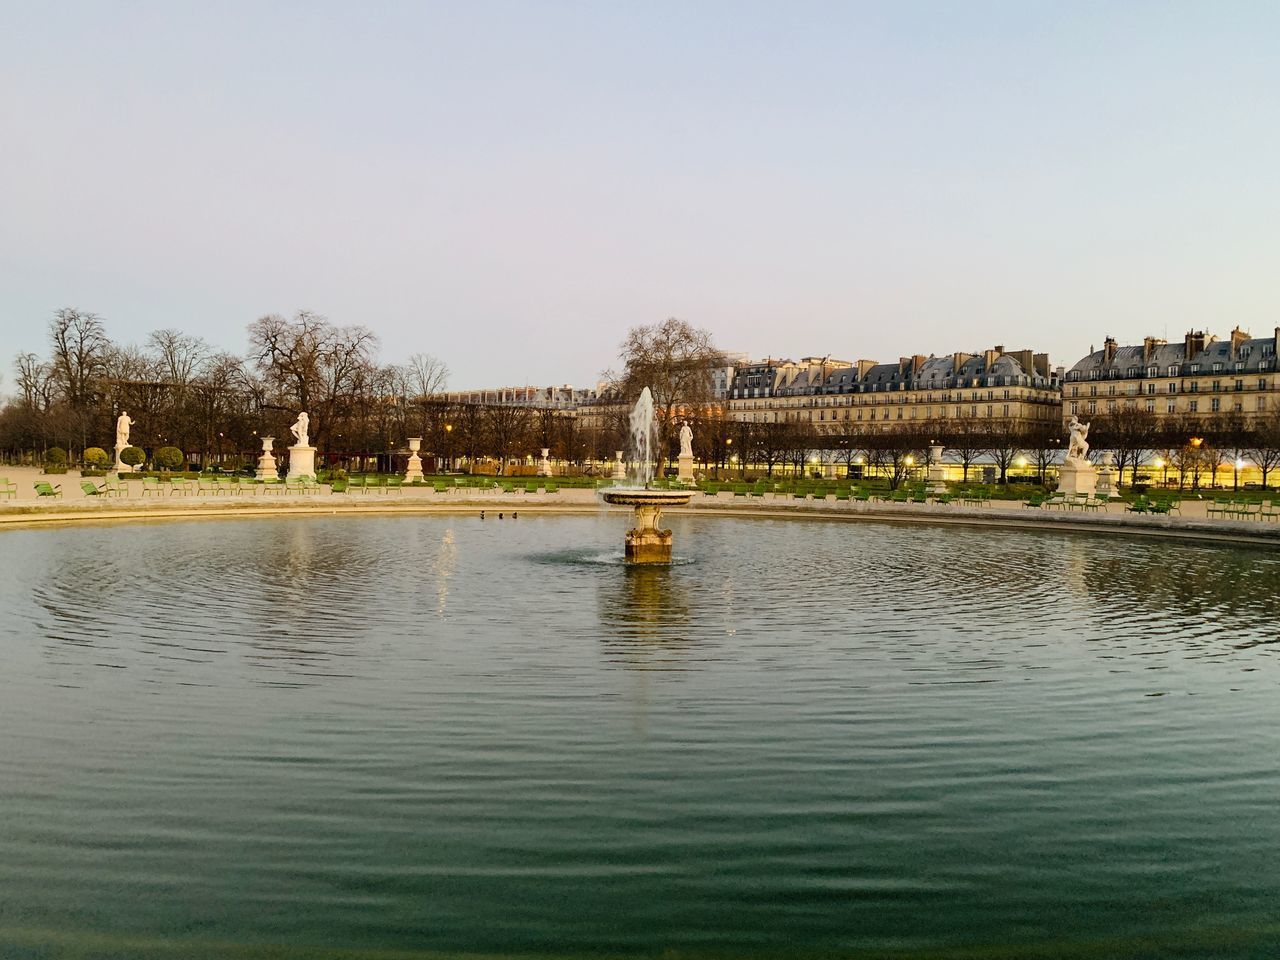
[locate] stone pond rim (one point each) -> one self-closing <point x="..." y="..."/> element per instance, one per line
<point x="645" y="542"/>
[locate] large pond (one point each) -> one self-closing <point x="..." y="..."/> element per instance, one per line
<point x="404" y="737"/>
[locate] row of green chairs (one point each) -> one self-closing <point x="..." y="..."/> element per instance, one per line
<point x="1243" y="509"/>
<point x="1157" y="505"/>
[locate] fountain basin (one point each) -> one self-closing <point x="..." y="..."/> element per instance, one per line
<point x="646" y="543"/>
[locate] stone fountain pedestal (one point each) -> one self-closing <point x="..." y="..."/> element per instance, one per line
<point x="646" y="542"/>
<point x="414" y="472"/>
<point x="302" y="461"/>
<point x="266" y="462"/>
<point x="685" y="469"/>
<point x="544" y="464"/>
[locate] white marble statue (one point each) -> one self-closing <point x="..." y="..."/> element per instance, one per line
<point x="300" y="430"/>
<point x="1078" y="446"/>
<point x="686" y="440"/>
<point x="123" y="423"/>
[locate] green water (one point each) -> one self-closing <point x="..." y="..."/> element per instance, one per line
<point x="420" y="737"/>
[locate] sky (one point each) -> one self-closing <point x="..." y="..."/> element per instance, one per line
<point x="511" y="186"/>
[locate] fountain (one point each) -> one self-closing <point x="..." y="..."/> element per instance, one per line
<point x="645" y="542"/>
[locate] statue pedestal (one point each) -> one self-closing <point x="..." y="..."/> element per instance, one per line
<point x="685" y="467"/>
<point x="266" y="462"/>
<point x="619" y="467"/>
<point x="544" y="465"/>
<point x="937" y="474"/>
<point x="414" y="472"/>
<point x="1077" y="476"/>
<point x="121" y="466"/>
<point x="302" y="462"/>
<point x="1107" y="474"/>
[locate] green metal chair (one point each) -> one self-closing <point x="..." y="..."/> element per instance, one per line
<point x="46" y="489"/>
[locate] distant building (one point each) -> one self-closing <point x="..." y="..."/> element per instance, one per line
<point x="564" y="397"/>
<point x="1201" y="377"/>
<point x="996" y="384"/>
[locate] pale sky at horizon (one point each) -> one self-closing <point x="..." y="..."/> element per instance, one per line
<point x="510" y="186"/>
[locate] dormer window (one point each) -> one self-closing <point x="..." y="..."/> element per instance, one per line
<point x="1153" y="371"/>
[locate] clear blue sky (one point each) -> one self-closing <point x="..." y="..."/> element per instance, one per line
<point x="511" y="185"/>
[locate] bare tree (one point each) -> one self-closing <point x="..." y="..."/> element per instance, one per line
<point x="1005" y="441"/>
<point x="314" y="365"/>
<point x="426" y="375"/>
<point x="675" y="361"/>
<point x="966" y="438"/>
<point x="1264" y="444"/>
<point x="1131" y="434"/>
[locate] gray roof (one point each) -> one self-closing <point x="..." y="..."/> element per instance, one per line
<point x="1253" y="354"/>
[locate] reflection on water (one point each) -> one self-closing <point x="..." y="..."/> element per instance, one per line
<point x="403" y="734"/>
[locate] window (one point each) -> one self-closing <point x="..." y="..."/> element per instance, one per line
<point x="1217" y="386"/>
<point x="1111" y="406"/>
<point x="1151" y="388"/>
<point x="1262" y="403"/>
<point x="1195" y="386"/>
<point x="1151" y="406"/>
<point x="1173" y="369"/>
<point x="1075" y="408"/>
<point x="1194" y="406"/>
<point x="1173" y="388"/>
<point x="1093" y="406"/>
<point x="1153" y="371"/>
<point x="1215" y="404"/>
<point x="1195" y="368"/>
<point x="1262" y="384"/>
<point x="1217" y="367"/>
<point x="1171" y="407"/>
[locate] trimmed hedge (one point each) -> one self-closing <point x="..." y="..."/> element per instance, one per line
<point x="132" y="456"/>
<point x="168" y="458"/>
<point x="95" y="458"/>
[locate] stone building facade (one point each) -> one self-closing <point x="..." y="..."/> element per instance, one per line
<point x="918" y="391"/>
<point x="1200" y="378"/>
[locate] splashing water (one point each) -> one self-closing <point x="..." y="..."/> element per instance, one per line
<point x="644" y="441"/>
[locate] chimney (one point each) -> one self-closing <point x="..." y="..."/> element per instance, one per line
<point x="863" y="366"/>
<point x="1238" y="337"/>
<point x="958" y="361"/>
<point x="989" y="357"/>
<point x="1149" y="345"/>
<point x="1194" y="343"/>
<point x="1041" y="363"/>
<point x="1108" y="349"/>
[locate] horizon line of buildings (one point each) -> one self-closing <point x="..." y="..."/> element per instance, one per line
<point x="1201" y="376"/>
